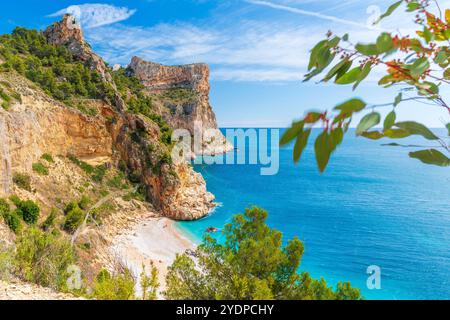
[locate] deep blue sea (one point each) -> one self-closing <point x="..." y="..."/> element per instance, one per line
<point x="373" y="206"/>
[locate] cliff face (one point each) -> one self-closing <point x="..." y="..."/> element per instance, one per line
<point x="38" y="124"/>
<point x="194" y="113"/>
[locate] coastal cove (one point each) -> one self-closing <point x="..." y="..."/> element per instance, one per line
<point x="373" y="206"/>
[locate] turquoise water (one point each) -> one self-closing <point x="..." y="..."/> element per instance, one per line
<point x="373" y="206"/>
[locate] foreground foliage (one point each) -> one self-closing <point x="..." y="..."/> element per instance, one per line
<point x="418" y="66"/>
<point x="250" y="264"/>
<point x="43" y="258"/>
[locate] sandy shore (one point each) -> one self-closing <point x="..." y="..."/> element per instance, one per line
<point x="154" y="240"/>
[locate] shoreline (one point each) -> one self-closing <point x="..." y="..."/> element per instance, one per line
<point x="154" y="240"/>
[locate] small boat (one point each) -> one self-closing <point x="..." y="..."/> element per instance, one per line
<point x="212" y="230"/>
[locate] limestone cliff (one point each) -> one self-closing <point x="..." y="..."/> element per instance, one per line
<point x="190" y="111"/>
<point x="37" y="124"/>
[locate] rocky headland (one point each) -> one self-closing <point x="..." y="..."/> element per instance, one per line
<point x="104" y="149"/>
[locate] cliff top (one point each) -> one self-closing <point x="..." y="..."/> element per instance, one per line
<point x="156" y="76"/>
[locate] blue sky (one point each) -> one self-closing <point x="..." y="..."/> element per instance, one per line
<point x="257" y="50"/>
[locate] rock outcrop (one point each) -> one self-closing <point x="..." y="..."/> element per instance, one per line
<point x="67" y="32"/>
<point x="19" y="290"/>
<point x="38" y="124"/>
<point x="194" y="114"/>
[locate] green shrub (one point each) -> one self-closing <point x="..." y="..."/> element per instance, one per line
<point x="85" y="109"/>
<point x="6" y="261"/>
<point x="6" y="99"/>
<point x="149" y="283"/>
<point x="15" y="199"/>
<point x="12" y="220"/>
<point x="50" y="221"/>
<point x="103" y="192"/>
<point x="134" y="195"/>
<point x="99" y="173"/>
<point x="48" y="157"/>
<point x="117" y="181"/>
<point x="29" y="211"/>
<point x="252" y="262"/>
<point x="83" y="165"/>
<point x="84" y="202"/>
<point x="100" y="213"/>
<point x="4" y="207"/>
<point x="179" y="95"/>
<point x="53" y="68"/>
<point x="40" y="169"/>
<point x="22" y="180"/>
<point x="43" y="258"/>
<point x="70" y="206"/>
<point x="73" y="220"/>
<point x="114" y="287"/>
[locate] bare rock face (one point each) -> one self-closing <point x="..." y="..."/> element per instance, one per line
<point x="157" y="77"/>
<point x="41" y="125"/>
<point x="195" y="115"/>
<point x="19" y="290"/>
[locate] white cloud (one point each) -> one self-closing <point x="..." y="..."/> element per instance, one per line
<point x="249" y="51"/>
<point x="92" y="15"/>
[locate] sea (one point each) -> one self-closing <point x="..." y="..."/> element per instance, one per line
<point x="374" y="206"/>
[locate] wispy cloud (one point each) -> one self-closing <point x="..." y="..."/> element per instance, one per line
<point x="93" y="15"/>
<point x="307" y="13"/>
<point x="251" y="47"/>
<point x="250" y="51"/>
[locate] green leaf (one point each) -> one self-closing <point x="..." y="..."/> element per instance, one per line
<point x="334" y="42"/>
<point x="386" y="80"/>
<point x="384" y="42"/>
<point x="300" y="144"/>
<point x="390" y="120"/>
<point x="427" y="35"/>
<point x="373" y="135"/>
<point x="418" y="67"/>
<point x="427" y="88"/>
<point x="368" y="121"/>
<point x="292" y="133"/>
<point x="447" y="74"/>
<point x="389" y="11"/>
<point x="416" y="128"/>
<point x="396" y="133"/>
<point x="349" y="77"/>
<point x="312" y="117"/>
<point x="338" y="70"/>
<point x="364" y="73"/>
<point x="441" y="57"/>
<point x="448" y="128"/>
<point x="323" y="148"/>
<point x="350" y="106"/>
<point x="312" y="74"/>
<point x="431" y="156"/>
<point x="367" y="49"/>
<point x="315" y="52"/>
<point x="398" y="99"/>
<point x="412" y="6"/>
<point x="337" y="136"/>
